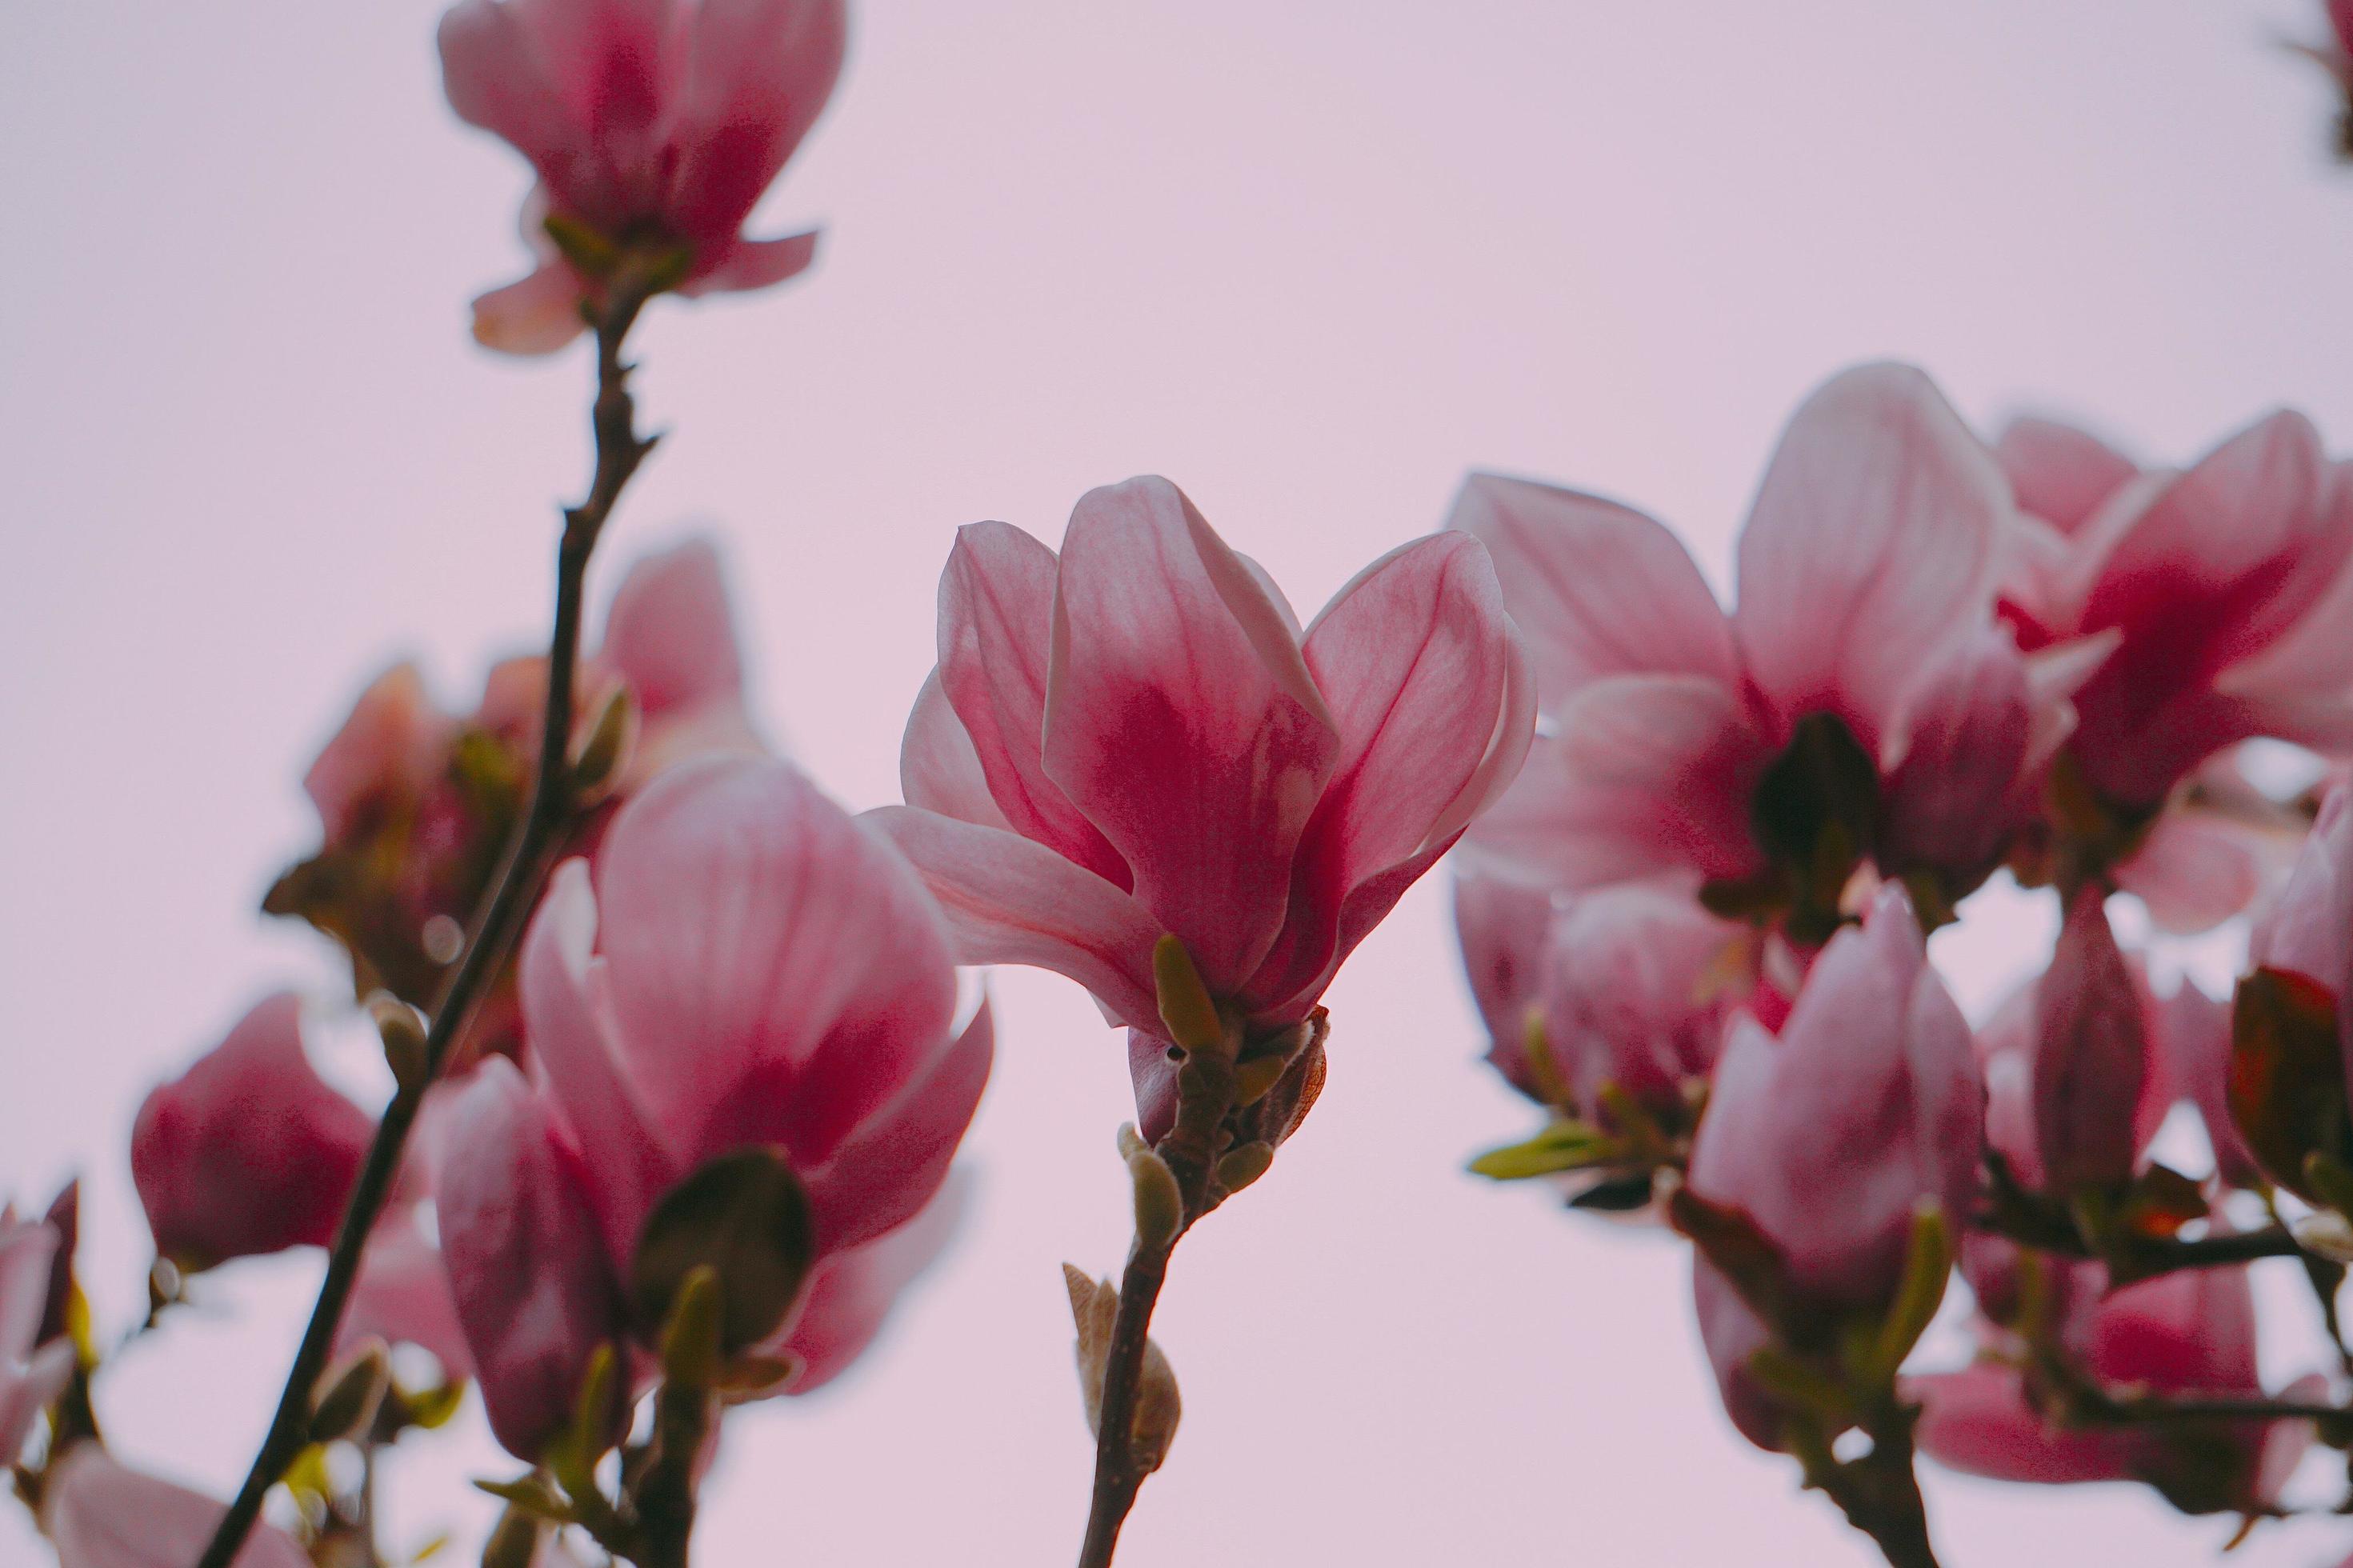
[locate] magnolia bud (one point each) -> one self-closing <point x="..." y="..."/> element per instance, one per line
<point x="1159" y="1204"/>
<point x="402" y="1028"/>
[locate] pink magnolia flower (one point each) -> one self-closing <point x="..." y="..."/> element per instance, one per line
<point x="250" y="1150"/>
<point x="649" y="122"/>
<point x="416" y="805"/>
<point x="2094" y="1094"/>
<point x="745" y="966"/>
<point x="2186" y="1333"/>
<point x="2225" y="591"/>
<point x="102" y="1514"/>
<point x="1631" y="986"/>
<point x="1858" y="706"/>
<point x="1136" y="738"/>
<point x="1831" y="1138"/>
<point x="32" y="1373"/>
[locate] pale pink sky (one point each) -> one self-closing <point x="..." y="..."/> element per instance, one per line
<point x="1311" y="260"/>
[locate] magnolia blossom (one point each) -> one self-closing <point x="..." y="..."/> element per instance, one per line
<point x="1858" y="705"/>
<point x="250" y="1150"/>
<point x="99" y="1513"/>
<point x="1831" y="1138"/>
<point x="745" y="966"/>
<point x="649" y="122"/>
<point x="2190" y="1333"/>
<point x="2225" y="592"/>
<point x="1136" y="737"/>
<point x="32" y="1374"/>
<point x="417" y="805"/>
<point x="1628" y="987"/>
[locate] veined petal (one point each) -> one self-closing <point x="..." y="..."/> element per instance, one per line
<point x="1598" y="588"/>
<point x="671" y="632"/>
<point x="534" y="1287"/>
<point x="2059" y="473"/>
<point x="582" y="1068"/>
<point x="939" y="770"/>
<point x="1977" y="1421"/>
<point x="757" y="73"/>
<point x="996" y="634"/>
<point x="1010" y="901"/>
<point x="1959" y="791"/>
<point x="1181" y="719"/>
<point x="757" y="264"/>
<point x="102" y="1514"/>
<point x="894" y="1165"/>
<point x="777" y="973"/>
<point x="537" y="315"/>
<point x="1872" y="546"/>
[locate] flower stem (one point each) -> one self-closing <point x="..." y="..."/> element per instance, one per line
<point x="1880" y="1493"/>
<point x="500" y="920"/>
<point x="1205" y="1093"/>
<point x="682" y="1417"/>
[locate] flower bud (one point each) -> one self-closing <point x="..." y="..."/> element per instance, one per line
<point x="250" y="1150"/>
<point x="2091" y="1056"/>
<point x="1094" y="1306"/>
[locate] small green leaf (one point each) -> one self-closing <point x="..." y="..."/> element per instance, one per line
<point x="1186" y="1009"/>
<point x="1565" y="1145"/>
<point x="1731" y="1242"/>
<point x="1799" y="1385"/>
<point x="691" y="1343"/>
<point x="531" y="1493"/>
<point x="1238" y="1168"/>
<point x="350" y="1393"/>
<point x="594" y="254"/>
<point x="1927" y="1269"/>
<point x="745" y="1216"/>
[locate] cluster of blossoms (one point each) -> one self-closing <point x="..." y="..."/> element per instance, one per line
<point x="681" y="1069"/>
<point x="1695" y="927"/>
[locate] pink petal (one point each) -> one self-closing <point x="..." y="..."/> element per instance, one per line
<point x="894" y="1164"/>
<point x="1871" y="548"/>
<point x="854" y="1292"/>
<point x="758" y="72"/>
<point x="757" y="264"/>
<point x="671" y="633"/>
<point x="250" y="1150"/>
<point x="392" y="747"/>
<point x="1957" y="796"/>
<point x="1869" y="1104"/>
<point x="27" y="1249"/>
<point x="2090" y="1055"/>
<point x="2054" y="673"/>
<point x="2311" y="661"/>
<point x="538" y="315"/>
<point x="1643" y="775"/>
<point x="2222" y="565"/>
<point x="2194" y="870"/>
<point x="1419" y="666"/>
<point x="496" y="79"/>
<point x="995" y="635"/>
<point x="582" y="1068"/>
<point x="2309" y="930"/>
<point x="534" y="1288"/>
<point x="1636" y="990"/>
<point x="1977" y="1421"/>
<point x="1502" y="926"/>
<point x="1732" y="1334"/>
<point x="2059" y="473"/>
<point x="102" y="1514"/>
<point x="939" y="770"/>
<point x="1598" y="588"/>
<point x="778" y="972"/>
<point x="1012" y="902"/>
<point x="2191" y="1331"/>
<point x="1181" y="719"/>
<point x="403" y="1297"/>
<point x="2193" y="1037"/>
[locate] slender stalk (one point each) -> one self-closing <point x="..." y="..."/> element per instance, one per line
<point x="2155" y="1409"/>
<point x="682" y="1417"/>
<point x="1880" y="1493"/>
<point x="514" y="893"/>
<point x="1205" y="1093"/>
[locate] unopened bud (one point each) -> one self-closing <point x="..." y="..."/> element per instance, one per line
<point x="1094" y="1305"/>
<point x="350" y="1393"/>
<point x="607" y="750"/>
<point x="1130" y="1142"/>
<point x="1159" y="1205"/>
<point x="1256" y="1075"/>
<point x="1239" y="1167"/>
<point x="402" y="1029"/>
